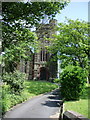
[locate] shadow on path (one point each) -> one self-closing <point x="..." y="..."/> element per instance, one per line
<point x="54" y="100"/>
<point x="52" y="103"/>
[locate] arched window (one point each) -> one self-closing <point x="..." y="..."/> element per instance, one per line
<point x="44" y="55"/>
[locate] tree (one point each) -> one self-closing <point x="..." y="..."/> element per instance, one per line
<point x="31" y="12"/>
<point x="72" y="43"/>
<point x="18" y="18"/>
<point x="21" y="41"/>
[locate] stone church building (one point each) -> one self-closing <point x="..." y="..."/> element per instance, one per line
<point x="41" y="66"/>
<point x="42" y="70"/>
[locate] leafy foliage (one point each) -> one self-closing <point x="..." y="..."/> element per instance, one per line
<point x="72" y="80"/>
<point x="10" y="99"/>
<point x="31" y="12"/>
<point x="72" y="43"/>
<point x="17" y="45"/>
<point x="15" y="80"/>
<point x="56" y="80"/>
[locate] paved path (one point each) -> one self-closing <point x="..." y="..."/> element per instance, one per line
<point x="42" y="106"/>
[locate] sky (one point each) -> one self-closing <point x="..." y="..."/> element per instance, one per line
<point x="77" y="9"/>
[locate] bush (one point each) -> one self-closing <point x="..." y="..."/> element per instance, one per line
<point x="56" y="80"/>
<point x="5" y="101"/>
<point x="15" y="80"/>
<point x="9" y="100"/>
<point x="73" y="80"/>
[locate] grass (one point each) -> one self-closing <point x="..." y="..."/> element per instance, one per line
<point x="39" y="87"/>
<point x="32" y="88"/>
<point x="81" y="106"/>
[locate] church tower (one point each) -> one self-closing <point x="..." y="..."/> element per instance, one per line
<point x="42" y="70"/>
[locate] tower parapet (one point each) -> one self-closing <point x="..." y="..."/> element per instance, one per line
<point x="53" y="22"/>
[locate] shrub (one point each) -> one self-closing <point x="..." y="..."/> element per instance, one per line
<point x="5" y="101"/>
<point x="56" y="80"/>
<point x="15" y="80"/>
<point x="73" y="80"/>
<point x="8" y="99"/>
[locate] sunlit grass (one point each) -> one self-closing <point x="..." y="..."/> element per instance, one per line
<point x="81" y="106"/>
<point x="39" y="87"/>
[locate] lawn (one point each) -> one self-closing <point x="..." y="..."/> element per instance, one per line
<point x="39" y="87"/>
<point x="81" y="106"/>
<point x="32" y="88"/>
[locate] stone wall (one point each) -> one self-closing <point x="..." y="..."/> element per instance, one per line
<point x="71" y="115"/>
